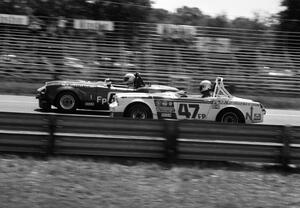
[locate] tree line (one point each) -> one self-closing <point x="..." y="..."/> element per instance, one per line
<point x="141" y="11"/>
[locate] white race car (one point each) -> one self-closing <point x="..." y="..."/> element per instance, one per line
<point x="220" y="107"/>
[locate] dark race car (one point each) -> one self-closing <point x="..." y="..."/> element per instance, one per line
<point x="68" y="96"/>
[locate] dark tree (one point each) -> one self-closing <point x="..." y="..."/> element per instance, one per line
<point x="188" y="16"/>
<point x="159" y="16"/>
<point x="115" y="10"/>
<point x="290" y="22"/>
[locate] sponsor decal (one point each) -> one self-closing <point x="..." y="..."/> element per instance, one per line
<point x="166" y="115"/>
<point x="77" y="85"/>
<point x="198" y="101"/>
<point x="101" y="100"/>
<point x="257" y="116"/>
<point x="215" y="106"/>
<point x="190" y="110"/>
<point x="111" y="97"/>
<point x="165" y="108"/>
<point x="216" y="103"/>
<point x="164" y="103"/>
<point x="250" y="115"/>
<point x="243" y="103"/>
<point x="201" y="116"/>
<point x="89" y="104"/>
<point x="14" y="19"/>
<point x="222" y="102"/>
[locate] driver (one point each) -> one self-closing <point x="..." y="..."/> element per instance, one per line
<point x="133" y="80"/>
<point x="205" y="88"/>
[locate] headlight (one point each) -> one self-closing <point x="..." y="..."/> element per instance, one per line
<point x="115" y="100"/>
<point x="42" y="90"/>
<point x="113" y="105"/>
<point x="263" y="109"/>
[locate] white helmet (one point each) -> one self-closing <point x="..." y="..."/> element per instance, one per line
<point x="129" y="78"/>
<point x="205" y="85"/>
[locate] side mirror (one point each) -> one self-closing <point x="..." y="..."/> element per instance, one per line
<point x="107" y="82"/>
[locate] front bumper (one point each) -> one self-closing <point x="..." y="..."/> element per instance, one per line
<point x="116" y="114"/>
<point x="115" y="111"/>
<point x="44" y="103"/>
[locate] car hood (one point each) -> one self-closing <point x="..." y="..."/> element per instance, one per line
<point x="238" y="99"/>
<point x="146" y="95"/>
<point x="74" y="82"/>
<point x="101" y="83"/>
<point x="163" y="87"/>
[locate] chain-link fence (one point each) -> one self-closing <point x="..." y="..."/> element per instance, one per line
<point x="254" y="62"/>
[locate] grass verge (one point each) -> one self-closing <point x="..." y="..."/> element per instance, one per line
<point x="86" y="182"/>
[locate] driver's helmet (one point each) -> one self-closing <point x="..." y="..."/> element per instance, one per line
<point x="205" y="85"/>
<point x="129" y="79"/>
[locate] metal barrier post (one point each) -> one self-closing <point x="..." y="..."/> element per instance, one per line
<point x="51" y="140"/>
<point x="285" y="151"/>
<point x="171" y="134"/>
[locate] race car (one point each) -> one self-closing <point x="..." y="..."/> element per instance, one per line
<point x="68" y="96"/>
<point x="221" y="106"/>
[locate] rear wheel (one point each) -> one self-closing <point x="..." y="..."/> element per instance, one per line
<point x="139" y="111"/>
<point x="67" y="102"/>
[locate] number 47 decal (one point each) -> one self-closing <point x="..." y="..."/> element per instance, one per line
<point x="184" y="110"/>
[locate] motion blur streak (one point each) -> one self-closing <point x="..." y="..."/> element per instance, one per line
<point x="28" y="104"/>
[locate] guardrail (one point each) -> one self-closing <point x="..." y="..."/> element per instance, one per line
<point x="161" y="139"/>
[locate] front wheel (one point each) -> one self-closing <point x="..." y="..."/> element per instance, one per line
<point x="230" y="117"/>
<point x="67" y="102"/>
<point x="139" y="111"/>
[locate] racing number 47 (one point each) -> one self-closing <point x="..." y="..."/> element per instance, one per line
<point x="184" y="110"/>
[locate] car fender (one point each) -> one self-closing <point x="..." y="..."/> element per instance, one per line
<point x="148" y="101"/>
<point x="230" y="106"/>
<point x="76" y="91"/>
<point x="66" y="88"/>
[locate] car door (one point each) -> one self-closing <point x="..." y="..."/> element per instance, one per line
<point x="101" y="97"/>
<point x="105" y="95"/>
<point x="192" y="108"/>
<point x="86" y="93"/>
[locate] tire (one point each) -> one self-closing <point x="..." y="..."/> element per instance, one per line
<point x="67" y="102"/>
<point x="44" y="105"/>
<point x="230" y="116"/>
<point x="139" y="111"/>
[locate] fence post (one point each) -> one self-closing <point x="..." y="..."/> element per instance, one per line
<point x="285" y="151"/>
<point x="171" y="134"/>
<point x="51" y="138"/>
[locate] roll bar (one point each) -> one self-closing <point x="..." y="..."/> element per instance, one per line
<point x="219" y="89"/>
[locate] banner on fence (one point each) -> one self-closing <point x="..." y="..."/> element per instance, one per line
<point x="85" y="24"/>
<point x="13" y="19"/>
<point x="209" y="44"/>
<point x="176" y="32"/>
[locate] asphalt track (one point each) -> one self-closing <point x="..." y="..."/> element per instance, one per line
<point x="28" y="104"/>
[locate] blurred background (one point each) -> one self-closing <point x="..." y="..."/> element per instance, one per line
<point x="43" y="40"/>
<point x="258" y="56"/>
